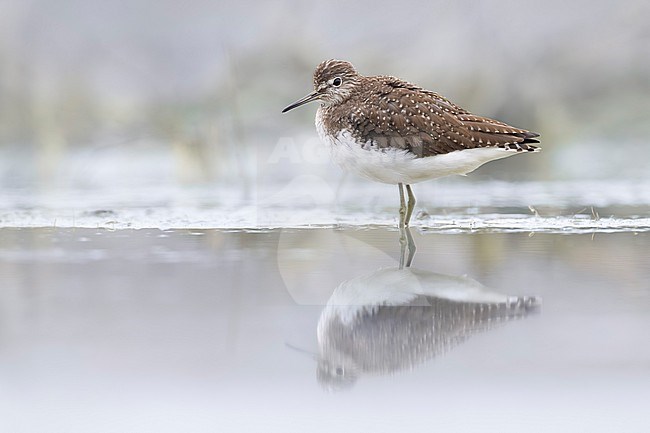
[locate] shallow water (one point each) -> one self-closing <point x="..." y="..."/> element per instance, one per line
<point x="447" y="206"/>
<point x="212" y="330"/>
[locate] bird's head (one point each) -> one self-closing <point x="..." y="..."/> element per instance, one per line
<point x="334" y="81"/>
<point x="336" y="374"/>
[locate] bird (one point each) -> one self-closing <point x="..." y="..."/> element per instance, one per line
<point x="392" y="319"/>
<point x="388" y="130"/>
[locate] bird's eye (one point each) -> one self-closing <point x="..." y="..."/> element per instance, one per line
<point x="336" y="82"/>
<point x="339" y="370"/>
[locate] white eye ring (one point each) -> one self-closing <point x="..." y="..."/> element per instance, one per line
<point x="336" y="82"/>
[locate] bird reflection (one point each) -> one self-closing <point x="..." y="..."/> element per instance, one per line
<point x="393" y="319"/>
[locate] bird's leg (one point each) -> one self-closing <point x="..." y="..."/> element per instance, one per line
<point x="411" y="246"/>
<point x="402" y="233"/>
<point x="406" y="244"/>
<point x="402" y="246"/>
<point x="411" y="205"/>
<point x="402" y="206"/>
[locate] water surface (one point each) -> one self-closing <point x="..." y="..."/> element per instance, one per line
<point x="211" y="330"/>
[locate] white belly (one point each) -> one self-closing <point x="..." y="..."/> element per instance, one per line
<point x="395" y="166"/>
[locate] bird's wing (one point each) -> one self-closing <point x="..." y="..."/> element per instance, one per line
<point x="401" y="115"/>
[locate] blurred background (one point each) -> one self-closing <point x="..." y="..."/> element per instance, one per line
<point x="105" y="98"/>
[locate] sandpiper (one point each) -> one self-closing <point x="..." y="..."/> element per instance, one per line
<point x="391" y="131"/>
<point x="394" y="319"/>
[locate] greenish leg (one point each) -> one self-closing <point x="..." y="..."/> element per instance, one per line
<point x="402" y="246"/>
<point x="405" y="237"/>
<point x="402" y="235"/>
<point x="411" y="247"/>
<point x="406" y="243"/>
<point x="402" y="206"/>
<point x="411" y="205"/>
